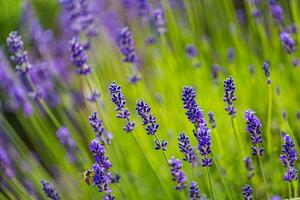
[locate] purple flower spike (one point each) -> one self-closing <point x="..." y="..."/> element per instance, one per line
<point x="99" y="129"/>
<point x="143" y="8"/>
<point x="93" y="97"/>
<point x="65" y="139"/>
<point x="119" y="100"/>
<point x="287" y="157"/>
<point x="187" y="149"/>
<point x="149" y="120"/>
<point x="194" y="192"/>
<point x="79" y="57"/>
<point x="191" y="51"/>
<point x="249" y="166"/>
<point x="126" y="45"/>
<point x="247" y="192"/>
<point x="287" y="42"/>
<point x="229" y="98"/>
<point x="159" y="20"/>
<point x="276" y="197"/>
<point x="204" y="144"/>
<point x="50" y="191"/>
<point x="177" y="173"/>
<point x="230" y="55"/>
<point x="276" y="11"/>
<point x="212" y="120"/>
<point x="254" y="129"/>
<point x="266" y="68"/>
<point x="19" y="55"/>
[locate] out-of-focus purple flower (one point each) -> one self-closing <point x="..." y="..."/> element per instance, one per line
<point x="19" y="55"/>
<point x="298" y="115"/>
<point x="143" y="8"/>
<point x="150" y="40"/>
<point x="254" y="129"/>
<point x="240" y="13"/>
<point x="149" y="120"/>
<point x="212" y="119"/>
<point x="65" y="139"/>
<point x="191" y="51"/>
<point x="276" y="197"/>
<point x="50" y="190"/>
<point x="256" y="13"/>
<point x="287" y="42"/>
<point x="126" y="45"/>
<point x="99" y="129"/>
<point x="247" y="192"/>
<point x="229" y="98"/>
<point x="6" y="163"/>
<point x="93" y="97"/>
<point x="187" y="149"/>
<point x="249" y="166"/>
<point x="251" y="69"/>
<point x="78" y="57"/>
<point x="266" y="68"/>
<point x="295" y="62"/>
<point x="230" y="54"/>
<point x="194" y="192"/>
<point x="159" y="21"/>
<point x="287" y="157"/>
<point x="177" y="173"/>
<point x="134" y="78"/>
<point x="119" y="100"/>
<point x="215" y="71"/>
<point x="291" y="29"/>
<point x="81" y="17"/>
<point x="30" y="188"/>
<point x="276" y="11"/>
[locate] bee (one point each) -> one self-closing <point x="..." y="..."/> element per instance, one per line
<point x="88" y="176"/>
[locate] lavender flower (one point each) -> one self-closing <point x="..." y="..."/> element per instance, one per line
<point x="143" y="8"/>
<point x="177" y="173"/>
<point x="287" y="42"/>
<point x="19" y="55"/>
<point x="249" y="166"/>
<point x="186" y="148"/>
<point x="204" y="144"/>
<point x="159" y="20"/>
<point x="266" y="68"/>
<point x="215" y="71"/>
<point x="276" y="197"/>
<point x="229" y="98"/>
<point x="162" y="145"/>
<point x="191" y="51"/>
<point x="97" y="124"/>
<point x="149" y="120"/>
<point x="194" y="192"/>
<point x="126" y="45"/>
<point x="6" y="163"/>
<point x="287" y="157"/>
<point x="50" y="191"/>
<point x="119" y="100"/>
<point x="254" y="129"/>
<point x="193" y="111"/>
<point x="93" y="97"/>
<point x="247" y="192"/>
<point x="295" y="62"/>
<point x="65" y="139"/>
<point x="230" y="55"/>
<point x="101" y="175"/>
<point x="276" y="11"/>
<point x="212" y="119"/>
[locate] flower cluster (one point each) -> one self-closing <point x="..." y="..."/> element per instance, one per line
<point x="191" y="51"/>
<point x="97" y="124"/>
<point x="50" y="191"/>
<point x="254" y="129"/>
<point x="126" y="45"/>
<point x="119" y="100"/>
<point x="186" y="148"/>
<point x="229" y="98"/>
<point x="160" y="22"/>
<point x="19" y="55"/>
<point x="287" y="157"/>
<point x="249" y="166"/>
<point x="78" y="57"/>
<point x="178" y="175"/>
<point x="101" y="174"/>
<point x="194" y="192"/>
<point x="65" y="139"/>
<point x="247" y="192"/>
<point x="276" y="11"/>
<point x="201" y="131"/>
<point x="143" y="8"/>
<point x="287" y="42"/>
<point x="93" y="97"/>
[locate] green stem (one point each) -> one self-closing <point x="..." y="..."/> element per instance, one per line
<point x="237" y="135"/>
<point x="223" y="180"/>
<point x="263" y="175"/>
<point x="269" y="118"/>
<point x="290" y="190"/>
<point x="164" y="152"/>
<point x="210" y="184"/>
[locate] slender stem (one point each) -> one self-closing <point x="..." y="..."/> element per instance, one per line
<point x="263" y="175"/>
<point x="223" y="180"/>
<point x="237" y="135"/>
<point x="290" y="190"/>
<point x="269" y="118"/>
<point x="210" y="185"/>
<point x="164" y="152"/>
